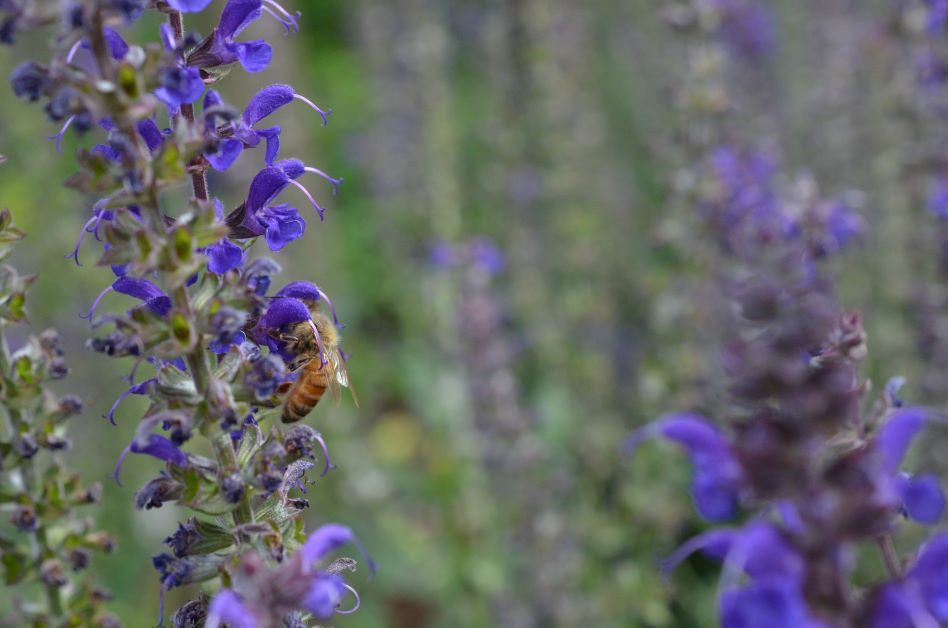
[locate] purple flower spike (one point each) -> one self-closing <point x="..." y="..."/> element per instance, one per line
<point x="227" y="607"/>
<point x="895" y="436"/>
<point x="189" y="6"/>
<point x="716" y="483"/>
<point x="922" y="498"/>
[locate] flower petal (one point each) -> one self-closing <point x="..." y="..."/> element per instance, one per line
<point x="255" y="55"/>
<point x="226" y="154"/>
<point x="224" y="256"/>
<point x="237" y="15"/>
<point x="324" y="595"/>
<point x="895" y="436"/>
<point x="922" y="498"/>
<point x="266" y="101"/>
<point x="226" y="607"/>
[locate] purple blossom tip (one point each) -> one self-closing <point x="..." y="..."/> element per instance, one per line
<point x="283" y="312"/>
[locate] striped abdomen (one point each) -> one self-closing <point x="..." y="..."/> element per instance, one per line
<point x="306" y="392"/>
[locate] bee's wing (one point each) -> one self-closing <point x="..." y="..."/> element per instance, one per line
<point x="340" y="377"/>
<point x="333" y="380"/>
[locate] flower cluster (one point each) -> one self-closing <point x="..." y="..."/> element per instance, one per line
<point x="50" y="543"/>
<point x="803" y="463"/>
<point x="222" y="346"/>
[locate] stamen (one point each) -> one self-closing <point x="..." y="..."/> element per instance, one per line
<point x="324" y="114"/>
<point x="73" y="51"/>
<point x="286" y="24"/>
<point x="59" y="136"/>
<point x="131" y="376"/>
<point x="312" y="200"/>
<point x="88" y="315"/>
<point x="161" y="605"/>
<point x="335" y="182"/>
<point x="329" y="465"/>
<point x="286" y="13"/>
<point x="82" y="234"/>
<point x="118" y="465"/>
<point x="325" y="297"/>
<point x="134" y="389"/>
<point x="357" y="604"/>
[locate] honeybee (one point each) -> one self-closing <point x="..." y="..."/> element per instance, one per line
<point x="320" y="363"/>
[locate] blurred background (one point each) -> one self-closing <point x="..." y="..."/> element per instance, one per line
<point x="523" y="280"/>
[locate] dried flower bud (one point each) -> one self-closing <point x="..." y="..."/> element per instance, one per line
<point x="24" y="518"/>
<point x="52" y="573"/>
<point x="157" y="492"/>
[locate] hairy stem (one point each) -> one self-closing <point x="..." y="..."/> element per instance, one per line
<point x="197" y="359"/>
<point x="198" y="180"/>
<point x="889" y="555"/>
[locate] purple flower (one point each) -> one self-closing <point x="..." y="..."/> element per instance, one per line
<point x="309" y="293"/>
<point x="227" y="607"/>
<point x="279" y="224"/>
<point x="224" y="256"/>
<point x="921" y="598"/>
<point x="29" y="80"/>
<point x="233" y="138"/>
<point x="152" y="297"/>
<point x="227" y="323"/>
<point x="154" y="445"/>
<point x="265" y="376"/>
<point x="324" y="596"/>
<point x="219" y="48"/>
<point x="180" y="84"/>
<point x="921" y="496"/>
<point x="716" y="481"/>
